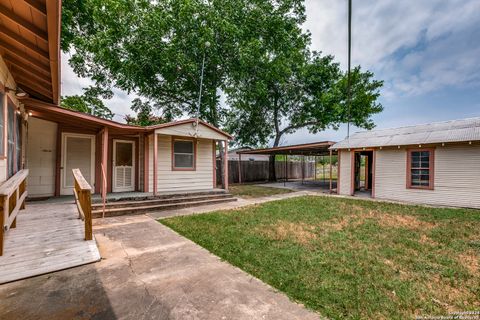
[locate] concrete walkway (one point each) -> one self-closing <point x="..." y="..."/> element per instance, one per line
<point x="147" y="272"/>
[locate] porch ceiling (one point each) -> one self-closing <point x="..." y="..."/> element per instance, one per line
<point x="30" y="45"/>
<point x="307" y="149"/>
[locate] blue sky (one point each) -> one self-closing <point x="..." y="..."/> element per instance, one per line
<point x="427" y="52"/>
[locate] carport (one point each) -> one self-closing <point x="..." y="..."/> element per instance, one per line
<point x="302" y="151"/>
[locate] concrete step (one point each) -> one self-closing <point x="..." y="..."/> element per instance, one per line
<point x="160" y="201"/>
<point x="111" y="212"/>
<point x="112" y="198"/>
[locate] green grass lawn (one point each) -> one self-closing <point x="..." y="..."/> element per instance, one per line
<point x="350" y="258"/>
<point x="253" y="191"/>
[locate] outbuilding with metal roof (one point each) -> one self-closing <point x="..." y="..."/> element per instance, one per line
<point x="436" y="163"/>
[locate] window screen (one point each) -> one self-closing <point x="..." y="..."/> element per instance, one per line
<point x="183" y="154"/>
<point x="11" y="140"/>
<point x="18" y="142"/>
<point x="2" y="124"/>
<point x="420" y="169"/>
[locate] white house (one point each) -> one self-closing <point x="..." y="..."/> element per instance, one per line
<point x="436" y="163"/>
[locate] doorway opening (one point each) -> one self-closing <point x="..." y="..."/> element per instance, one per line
<point x="363" y="173"/>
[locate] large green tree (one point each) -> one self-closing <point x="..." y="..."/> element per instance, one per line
<point x="253" y="51"/>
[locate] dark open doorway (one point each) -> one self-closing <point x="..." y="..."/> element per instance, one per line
<point x="363" y="174"/>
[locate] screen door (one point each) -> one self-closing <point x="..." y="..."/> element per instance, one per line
<point x="123" y="166"/>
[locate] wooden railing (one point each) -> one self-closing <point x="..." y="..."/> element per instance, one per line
<point x="82" y="192"/>
<point x="12" y="199"/>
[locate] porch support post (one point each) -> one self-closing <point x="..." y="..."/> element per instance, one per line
<point x="239" y="168"/>
<point x="330" y="162"/>
<point x="225" y="165"/>
<point x="303" y="167"/>
<point x="155" y="163"/>
<point x="104" y="162"/>
<point x="58" y="160"/>
<point x="214" y="163"/>
<point x="145" y="162"/>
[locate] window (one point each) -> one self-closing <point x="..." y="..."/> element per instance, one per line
<point x="2" y="125"/>
<point x="18" y="141"/>
<point x="11" y="140"/>
<point x="420" y="168"/>
<point x="183" y="156"/>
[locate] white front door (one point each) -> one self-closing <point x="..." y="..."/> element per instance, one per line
<point x="78" y="151"/>
<point x="123" y="166"/>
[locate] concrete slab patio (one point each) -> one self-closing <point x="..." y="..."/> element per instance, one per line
<point x="147" y="272"/>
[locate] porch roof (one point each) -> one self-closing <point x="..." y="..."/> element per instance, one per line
<point x="76" y="119"/>
<point x="30" y="46"/>
<point x="72" y="118"/>
<point x="306" y="149"/>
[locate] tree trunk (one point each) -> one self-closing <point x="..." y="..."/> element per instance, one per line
<point x="222" y="164"/>
<point x="272" y="176"/>
<point x="271" y="168"/>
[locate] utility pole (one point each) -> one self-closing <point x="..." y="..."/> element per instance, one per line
<point x="349" y="65"/>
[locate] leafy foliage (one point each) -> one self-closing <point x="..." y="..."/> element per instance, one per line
<point x="308" y="92"/>
<point x="258" y="56"/>
<point x="145" y="115"/>
<point x="89" y="102"/>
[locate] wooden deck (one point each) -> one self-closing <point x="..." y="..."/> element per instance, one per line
<point x="48" y="237"/>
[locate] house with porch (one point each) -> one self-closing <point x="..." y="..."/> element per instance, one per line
<point x="102" y="167"/>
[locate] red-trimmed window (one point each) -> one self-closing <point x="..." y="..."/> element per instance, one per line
<point x="420" y="168"/>
<point x="183" y="154"/>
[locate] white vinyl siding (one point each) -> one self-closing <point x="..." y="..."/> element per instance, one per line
<point x="456" y="177"/>
<point x="169" y="180"/>
<point x="345" y="172"/>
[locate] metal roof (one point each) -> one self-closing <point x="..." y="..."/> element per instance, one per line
<point x="316" y="148"/>
<point x="464" y="130"/>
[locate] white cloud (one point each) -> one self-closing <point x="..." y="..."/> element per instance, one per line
<point x="445" y="31"/>
<point x="72" y="84"/>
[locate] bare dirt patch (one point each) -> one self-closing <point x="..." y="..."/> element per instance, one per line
<point x="404" y="221"/>
<point x="470" y="261"/>
<point x="300" y="233"/>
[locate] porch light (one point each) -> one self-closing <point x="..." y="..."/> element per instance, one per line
<point x="19" y="92"/>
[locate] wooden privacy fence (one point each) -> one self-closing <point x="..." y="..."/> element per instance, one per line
<point x="253" y="171"/>
<point x="12" y="199"/>
<point x="83" y="199"/>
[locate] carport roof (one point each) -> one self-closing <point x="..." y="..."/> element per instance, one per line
<point x="307" y="149"/>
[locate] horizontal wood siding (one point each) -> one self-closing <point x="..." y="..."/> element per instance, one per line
<point x="456" y="183"/>
<point x="168" y="180"/>
<point x="345" y="172"/>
